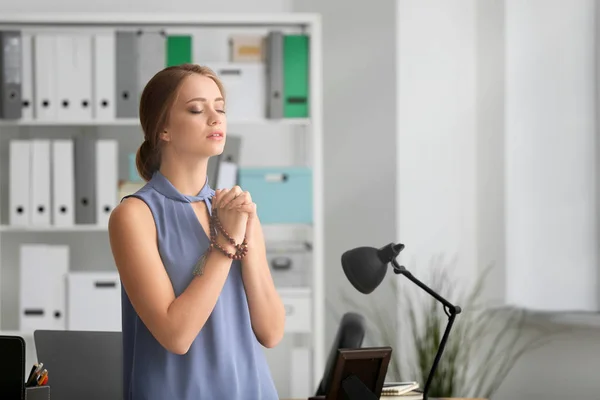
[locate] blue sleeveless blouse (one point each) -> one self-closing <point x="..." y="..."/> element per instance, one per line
<point x="225" y="361"/>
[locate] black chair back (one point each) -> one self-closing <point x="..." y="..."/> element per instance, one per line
<point x="350" y="335"/>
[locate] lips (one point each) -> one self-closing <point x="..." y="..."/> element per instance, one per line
<point x="217" y="134"/>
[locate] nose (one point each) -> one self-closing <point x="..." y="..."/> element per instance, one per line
<point x="214" y="118"/>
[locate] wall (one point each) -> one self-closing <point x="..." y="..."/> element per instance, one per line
<point x="550" y="155"/>
<point x="453" y="88"/>
<point x="489" y="139"/>
<point x="552" y="46"/>
<point x="436" y="111"/>
<point x="359" y="140"/>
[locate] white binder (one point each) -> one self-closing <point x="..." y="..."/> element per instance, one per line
<point x="83" y="76"/>
<point x="103" y="67"/>
<point x="65" y="77"/>
<point x="27" y="74"/>
<point x="40" y="182"/>
<point x="19" y="193"/>
<point x="74" y="74"/>
<point x="45" y="77"/>
<point x="42" y="274"/>
<point x="63" y="183"/>
<point x="94" y="301"/>
<point x="107" y="177"/>
<point x="245" y="85"/>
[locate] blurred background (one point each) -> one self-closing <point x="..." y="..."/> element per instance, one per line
<point x="466" y="130"/>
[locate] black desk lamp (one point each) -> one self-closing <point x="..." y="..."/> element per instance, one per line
<point x="365" y="268"/>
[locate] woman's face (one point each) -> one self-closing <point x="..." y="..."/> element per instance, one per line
<point x="197" y="124"/>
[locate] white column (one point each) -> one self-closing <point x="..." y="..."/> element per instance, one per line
<point x="550" y="172"/>
<point x="436" y="136"/>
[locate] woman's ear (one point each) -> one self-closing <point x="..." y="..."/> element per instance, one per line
<point x="165" y="136"/>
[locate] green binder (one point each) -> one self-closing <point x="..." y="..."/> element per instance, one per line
<point x="295" y="76"/>
<point x="179" y="50"/>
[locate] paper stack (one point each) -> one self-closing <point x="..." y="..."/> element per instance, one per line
<point x="401" y="391"/>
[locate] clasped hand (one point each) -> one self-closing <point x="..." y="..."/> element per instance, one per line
<point x="235" y="210"/>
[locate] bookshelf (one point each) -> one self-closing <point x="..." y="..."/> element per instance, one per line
<point x="290" y="141"/>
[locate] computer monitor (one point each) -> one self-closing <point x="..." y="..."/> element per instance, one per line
<point x="350" y="335"/>
<point x="81" y="364"/>
<point x="12" y="368"/>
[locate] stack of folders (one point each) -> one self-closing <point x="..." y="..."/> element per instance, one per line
<point x="52" y="296"/>
<point x="99" y="76"/>
<point x="401" y="391"/>
<point x="43" y="270"/>
<point x="62" y="182"/>
<point x="284" y="80"/>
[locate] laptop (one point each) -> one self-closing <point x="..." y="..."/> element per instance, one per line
<point x="81" y="364"/>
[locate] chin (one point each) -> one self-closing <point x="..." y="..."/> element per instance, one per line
<point x="214" y="149"/>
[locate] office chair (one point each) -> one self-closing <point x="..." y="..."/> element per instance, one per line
<point x="350" y="335"/>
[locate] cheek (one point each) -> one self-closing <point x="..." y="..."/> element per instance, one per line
<point x="186" y="129"/>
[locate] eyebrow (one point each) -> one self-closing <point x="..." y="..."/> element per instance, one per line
<point x="203" y="99"/>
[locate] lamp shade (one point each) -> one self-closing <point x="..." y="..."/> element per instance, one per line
<point x="364" y="268"/>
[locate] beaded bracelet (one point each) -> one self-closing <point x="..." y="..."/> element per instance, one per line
<point x="240" y="249"/>
<point x="215" y="227"/>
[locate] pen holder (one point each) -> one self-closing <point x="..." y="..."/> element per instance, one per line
<point x="37" y="393"/>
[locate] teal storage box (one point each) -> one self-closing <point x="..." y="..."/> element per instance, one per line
<point x="133" y="172"/>
<point x="283" y="195"/>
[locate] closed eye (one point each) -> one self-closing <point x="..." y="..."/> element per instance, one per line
<point x="201" y="111"/>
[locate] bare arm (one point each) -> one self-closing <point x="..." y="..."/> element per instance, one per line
<point x="267" y="312"/>
<point x="174" y="321"/>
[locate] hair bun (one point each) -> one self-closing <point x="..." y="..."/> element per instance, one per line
<point x="145" y="143"/>
<point x="146" y="160"/>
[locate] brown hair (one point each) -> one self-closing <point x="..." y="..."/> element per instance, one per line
<point x="156" y="101"/>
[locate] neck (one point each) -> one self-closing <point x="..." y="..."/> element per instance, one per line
<point x="188" y="177"/>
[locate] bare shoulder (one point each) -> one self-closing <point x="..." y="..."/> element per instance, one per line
<point x="132" y="232"/>
<point x="131" y="214"/>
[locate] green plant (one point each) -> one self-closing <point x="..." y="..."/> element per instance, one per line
<point x="484" y="344"/>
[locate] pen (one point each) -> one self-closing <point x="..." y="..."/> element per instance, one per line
<point x="34" y="375"/>
<point x="31" y="372"/>
<point x="41" y="377"/>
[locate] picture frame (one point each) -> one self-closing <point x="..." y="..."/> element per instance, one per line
<point x="364" y="368"/>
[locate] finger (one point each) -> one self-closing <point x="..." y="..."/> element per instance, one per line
<point x="243" y="198"/>
<point x="230" y="195"/>
<point x="247" y="208"/>
<point x="248" y="197"/>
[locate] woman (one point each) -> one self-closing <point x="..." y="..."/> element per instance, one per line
<point x="198" y="300"/>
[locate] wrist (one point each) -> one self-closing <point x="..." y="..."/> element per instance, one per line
<point x="223" y="244"/>
<point x="232" y="245"/>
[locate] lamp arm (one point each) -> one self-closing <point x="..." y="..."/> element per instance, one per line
<point x="450" y="309"/>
